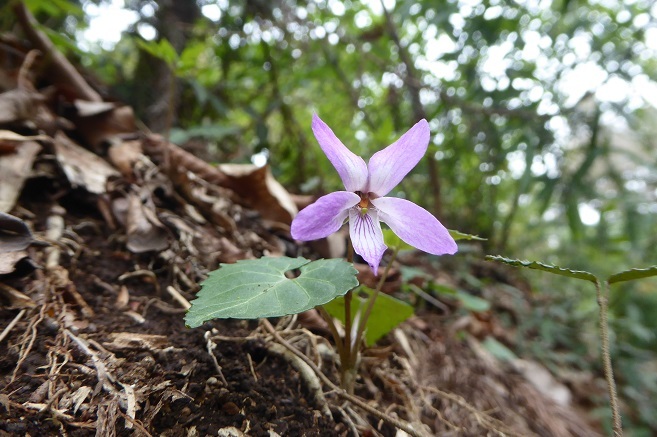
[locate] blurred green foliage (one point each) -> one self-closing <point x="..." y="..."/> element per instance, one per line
<point x="543" y="118"/>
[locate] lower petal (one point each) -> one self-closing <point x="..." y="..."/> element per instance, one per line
<point x="324" y="217"/>
<point x="415" y="225"/>
<point x="366" y="236"/>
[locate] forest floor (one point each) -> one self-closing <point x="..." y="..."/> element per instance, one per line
<point x="105" y="234"/>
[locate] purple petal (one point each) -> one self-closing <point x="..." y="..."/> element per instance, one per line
<point x="415" y="225"/>
<point x="366" y="236"/>
<point x="323" y="217"/>
<point x="389" y="166"/>
<point x="351" y="167"/>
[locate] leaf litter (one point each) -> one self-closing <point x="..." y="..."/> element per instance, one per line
<point x="106" y="232"/>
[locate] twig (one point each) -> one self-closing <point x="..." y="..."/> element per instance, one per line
<point x="405" y="426"/>
<point x="178" y="297"/>
<point x="25" y="350"/>
<point x="136" y="423"/>
<point x="482" y="418"/>
<point x="62" y="70"/>
<point x="22" y="80"/>
<point x="307" y="374"/>
<point x="104" y="376"/>
<point x="211" y="346"/>
<point x="55" y="230"/>
<point x="429" y="298"/>
<point x="11" y="324"/>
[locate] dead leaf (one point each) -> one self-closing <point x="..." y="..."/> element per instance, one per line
<point x="136" y="341"/>
<point x="123" y="298"/>
<point x="15" y="298"/>
<point x="14" y="170"/>
<point x="18" y="105"/>
<point x="9" y="260"/>
<point x="259" y="190"/>
<point x="14" y="234"/>
<point x="102" y="127"/>
<point x="124" y="155"/>
<point x="82" y="167"/>
<point x="86" y="108"/>
<point x="10" y="140"/>
<point x="145" y="231"/>
<point x="543" y="381"/>
<point x="8" y="135"/>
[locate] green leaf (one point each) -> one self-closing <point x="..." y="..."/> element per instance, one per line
<point x="632" y="274"/>
<point x="252" y="289"/>
<point x="472" y="303"/>
<point x="388" y="312"/>
<point x="161" y="49"/>
<point x="578" y="274"/>
<point x="469" y="302"/>
<point x="457" y="235"/>
<point x="393" y="241"/>
<point x="498" y="350"/>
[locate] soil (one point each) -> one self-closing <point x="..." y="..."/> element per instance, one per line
<point x="143" y="344"/>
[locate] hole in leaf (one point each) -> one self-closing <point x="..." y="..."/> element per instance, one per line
<point x="294" y="273"/>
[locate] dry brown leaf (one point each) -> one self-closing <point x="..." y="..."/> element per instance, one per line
<point x="14" y="234"/>
<point x="123" y="297"/>
<point x="124" y="155"/>
<point x="8" y="135"/>
<point x="15" y="298"/>
<point x="9" y="260"/>
<point x="14" y="170"/>
<point x="86" y="108"/>
<point x="136" y="341"/>
<point x="82" y="168"/>
<point x="145" y="231"/>
<point x="102" y="127"/>
<point x="18" y="105"/>
<point x="258" y="189"/>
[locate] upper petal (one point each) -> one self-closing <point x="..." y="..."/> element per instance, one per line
<point x="351" y="167"/>
<point x="415" y="225"/>
<point x="324" y="217"/>
<point x="366" y="236"/>
<point x="388" y="167"/>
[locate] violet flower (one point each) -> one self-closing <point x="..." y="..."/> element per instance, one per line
<point x="363" y="202"/>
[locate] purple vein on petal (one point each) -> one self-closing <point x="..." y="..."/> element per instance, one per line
<point x="366" y="236"/>
<point x="324" y="217"/>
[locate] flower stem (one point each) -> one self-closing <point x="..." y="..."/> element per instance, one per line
<point x="368" y="310"/>
<point x="602" y="292"/>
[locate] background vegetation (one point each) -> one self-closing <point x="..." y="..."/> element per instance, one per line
<point x="543" y="117"/>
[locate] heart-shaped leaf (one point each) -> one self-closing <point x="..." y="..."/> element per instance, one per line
<point x="253" y="289"/>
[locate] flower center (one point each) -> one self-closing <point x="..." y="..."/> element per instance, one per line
<point x="364" y="203"/>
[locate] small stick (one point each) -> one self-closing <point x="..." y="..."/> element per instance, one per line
<point x="405" y="426"/>
<point x="178" y="297"/>
<point x="211" y="345"/>
<point x="11" y="324"/>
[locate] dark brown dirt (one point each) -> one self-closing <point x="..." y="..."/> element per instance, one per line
<point x="176" y="383"/>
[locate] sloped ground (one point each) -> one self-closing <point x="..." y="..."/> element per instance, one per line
<point x="105" y="233"/>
